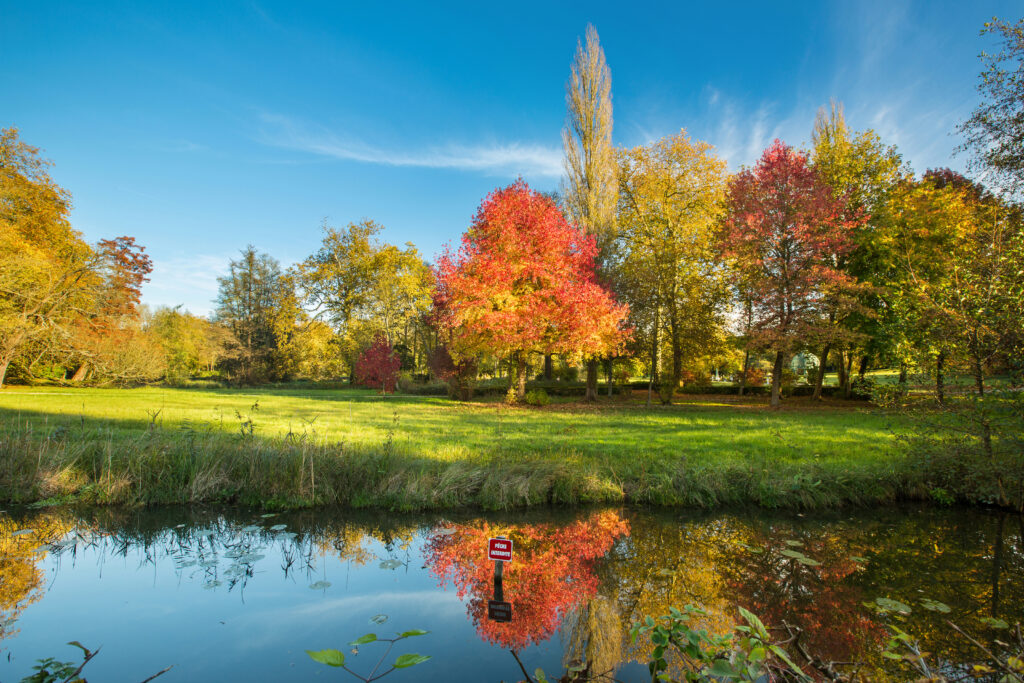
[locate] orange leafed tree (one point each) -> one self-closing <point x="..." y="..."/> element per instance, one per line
<point x="550" y="573"/>
<point x="523" y="281"/>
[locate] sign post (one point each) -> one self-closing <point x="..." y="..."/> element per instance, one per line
<point x="500" y="550"/>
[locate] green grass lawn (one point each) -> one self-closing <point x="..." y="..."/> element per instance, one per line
<point x="354" y="447"/>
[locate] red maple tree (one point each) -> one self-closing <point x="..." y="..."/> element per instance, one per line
<point x="785" y="232"/>
<point x="551" y="572"/>
<point x="378" y="365"/>
<point x="523" y="281"/>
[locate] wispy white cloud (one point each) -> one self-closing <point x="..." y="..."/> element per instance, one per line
<point x="515" y="158"/>
<point x="190" y="282"/>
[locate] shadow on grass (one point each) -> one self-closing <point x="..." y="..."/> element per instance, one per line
<point x="63" y="457"/>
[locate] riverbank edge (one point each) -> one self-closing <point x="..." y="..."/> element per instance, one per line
<point x="157" y="467"/>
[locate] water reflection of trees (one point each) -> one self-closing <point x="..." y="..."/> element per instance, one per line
<point x="584" y="574"/>
<point x="551" y="573"/>
<point x="22" y="550"/>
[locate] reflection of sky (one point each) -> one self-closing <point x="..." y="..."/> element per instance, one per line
<point x="147" y="616"/>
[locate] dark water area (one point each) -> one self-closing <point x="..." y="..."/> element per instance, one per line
<point x="224" y="594"/>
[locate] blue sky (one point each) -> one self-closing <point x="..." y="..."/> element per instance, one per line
<point x="202" y="127"/>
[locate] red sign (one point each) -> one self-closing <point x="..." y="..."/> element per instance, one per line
<point x="499" y="549"/>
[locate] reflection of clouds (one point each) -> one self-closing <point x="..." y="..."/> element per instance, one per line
<point x="190" y="281"/>
<point x="403" y="609"/>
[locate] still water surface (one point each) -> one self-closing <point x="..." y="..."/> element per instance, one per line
<point x="228" y="594"/>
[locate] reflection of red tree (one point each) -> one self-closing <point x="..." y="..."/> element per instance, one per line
<point x="818" y="599"/>
<point x="552" y="571"/>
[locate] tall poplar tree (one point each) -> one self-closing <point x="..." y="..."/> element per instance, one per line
<point x="591" y="187"/>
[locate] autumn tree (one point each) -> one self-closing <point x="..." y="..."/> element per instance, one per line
<point x="995" y="130"/>
<point x="783" y="228"/>
<point x="864" y="173"/>
<point x="670" y="196"/>
<point x="378" y="365"/>
<point x="590" y="183"/>
<point x="189" y="343"/>
<point x="523" y="282"/>
<point x="363" y="286"/>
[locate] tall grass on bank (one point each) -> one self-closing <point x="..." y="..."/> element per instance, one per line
<point x="161" y="466"/>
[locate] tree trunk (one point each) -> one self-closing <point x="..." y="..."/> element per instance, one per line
<point x="777" y="380"/>
<point x="548" y="367"/>
<point x="841" y="369"/>
<point x="901" y="383"/>
<point x="979" y="375"/>
<point x="3" y="371"/>
<point x="654" y="358"/>
<point x="746" y="369"/>
<point x="819" y="380"/>
<point x="940" y="383"/>
<point x="521" y="375"/>
<point x="609" y="367"/>
<point x="80" y="373"/>
<point x="591" y="380"/>
<point x="864" y="360"/>
<point x="848" y="386"/>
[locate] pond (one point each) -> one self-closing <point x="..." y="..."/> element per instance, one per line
<point x="226" y="594"/>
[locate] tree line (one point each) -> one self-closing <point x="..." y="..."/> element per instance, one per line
<point x="652" y="261"/>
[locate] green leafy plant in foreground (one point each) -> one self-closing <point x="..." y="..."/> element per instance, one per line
<point x="51" y="670"/>
<point x="336" y="658"/>
<point x="747" y="654"/>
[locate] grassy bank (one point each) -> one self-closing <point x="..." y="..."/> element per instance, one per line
<point x="282" y="447"/>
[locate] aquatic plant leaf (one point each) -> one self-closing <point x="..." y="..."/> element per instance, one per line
<point x="269" y="515"/>
<point x="390" y="564"/>
<point x="413" y="632"/>
<point x="328" y="657"/>
<point x="251" y="528"/>
<point x="320" y="585"/>
<point x="795" y="554"/>
<point x="893" y="605"/>
<point x="363" y="640"/>
<point x="445" y="531"/>
<point x="411" y="659"/>
<point x="210" y="585"/>
<point x="995" y="622"/>
<point x="935" y="606"/>
<point x="279" y="527"/>
<point x="249" y="558"/>
<point x="803" y="559"/>
<point x="794" y="544"/>
<point x="378" y="619"/>
<point x="858" y="558"/>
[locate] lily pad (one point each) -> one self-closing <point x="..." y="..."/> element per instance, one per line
<point x="795" y="554"/>
<point x="320" y="585"/>
<point x="378" y="619"/>
<point x="807" y="561"/>
<point x="890" y="605"/>
<point x="794" y="544"/>
<point x="210" y="585"/>
<point x="269" y="515"/>
<point x="390" y="564"/>
<point x="935" y="606"/>
<point x="279" y="527"/>
<point x="251" y="528"/>
<point x="995" y="622"/>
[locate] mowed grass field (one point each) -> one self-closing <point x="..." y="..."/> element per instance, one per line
<point x="291" y="447"/>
